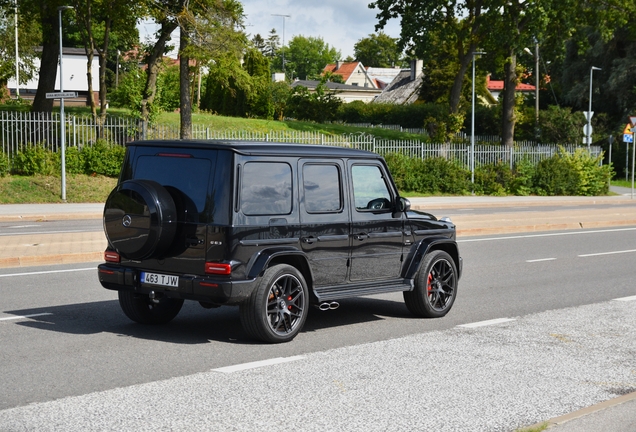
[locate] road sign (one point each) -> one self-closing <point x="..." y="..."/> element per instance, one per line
<point x="632" y="120"/>
<point x="628" y="138"/>
<point x="587" y="130"/>
<point x="591" y="113"/>
<point x="61" y="95"/>
<point x="628" y="129"/>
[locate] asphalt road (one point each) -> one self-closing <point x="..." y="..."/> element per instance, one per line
<point x="551" y="286"/>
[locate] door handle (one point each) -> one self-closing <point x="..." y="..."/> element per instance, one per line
<point x="308" y="240"/>
<point x="361" y="236"/>
<point x="193" y="241"/>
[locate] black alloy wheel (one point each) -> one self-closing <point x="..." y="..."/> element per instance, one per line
<point x="435" y="287"/>
<point x="277" y="309"/>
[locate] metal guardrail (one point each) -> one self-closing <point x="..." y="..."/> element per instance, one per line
<point x="27" y="129"/>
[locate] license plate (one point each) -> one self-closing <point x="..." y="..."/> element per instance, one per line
<point x="159" y="279"/>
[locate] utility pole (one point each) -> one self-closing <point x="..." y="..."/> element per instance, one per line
<point x="283" y="46"/>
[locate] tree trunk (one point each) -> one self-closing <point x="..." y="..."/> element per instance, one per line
<point x="508" y="112"/>
<point x="150" y="89"/>
<point x="50" y="52"/>
<point x="185" y="108"/>
<point x="102" y="70"/>
<point x="456" y="90"/>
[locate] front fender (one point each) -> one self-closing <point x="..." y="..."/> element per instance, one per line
<point x="420" y="249"/>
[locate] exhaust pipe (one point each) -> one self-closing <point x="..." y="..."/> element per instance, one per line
<point x="328" y="306"/>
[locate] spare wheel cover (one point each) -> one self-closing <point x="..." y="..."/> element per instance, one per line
<point x="140" y="219"/>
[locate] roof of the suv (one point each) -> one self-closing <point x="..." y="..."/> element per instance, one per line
<point x="260" y="148"/>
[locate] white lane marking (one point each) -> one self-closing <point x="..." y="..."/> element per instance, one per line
<point x="25" y="316"/>
<point x="46" y="272"/>
<point x="540" y="260"/>
<point x="626" y="299"/>
<point x="46" y="232"/>
<point x="23" y="226"/>
<point x="607" y="253"/>
<point x="257" y="364"/>
<point x="486" y="323"/>
<point x="546" y="235"/>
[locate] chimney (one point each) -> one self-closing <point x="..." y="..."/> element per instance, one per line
<point x="416" y="69"/>
<point x="338" y="64"/>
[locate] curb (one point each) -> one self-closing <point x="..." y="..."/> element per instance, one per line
<point x="469" y="232"/>
<point x="580" y="413"/>
<point x="56" y="259"/>
<point x="49" y="217"/>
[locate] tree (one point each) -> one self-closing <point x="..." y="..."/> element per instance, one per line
<point x="378" y="50"/>
<point x="308" y="56"/>
<point x="424" y="22"/>
<point x="259" y="43"/>
<point x="208" y="28"/>
<point x="99" y="19"/>
<point x="272" y="44"/>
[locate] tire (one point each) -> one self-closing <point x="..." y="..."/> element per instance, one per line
<point x="435" y="286"/>
<point x="140" y="219"/>
<point x="141" y="309"/>
<point x="277" y="308"/>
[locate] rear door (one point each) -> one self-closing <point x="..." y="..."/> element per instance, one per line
<point x="376" y="236"/>
<point x="324" y="219"/>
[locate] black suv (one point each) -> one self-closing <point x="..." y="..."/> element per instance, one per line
<point x="273" y="228"/>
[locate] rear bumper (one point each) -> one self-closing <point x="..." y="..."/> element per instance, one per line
<point x="191" y="287"/>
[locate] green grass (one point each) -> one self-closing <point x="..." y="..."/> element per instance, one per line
<point x="47" y="189"/>
<point x="622" y="183"/>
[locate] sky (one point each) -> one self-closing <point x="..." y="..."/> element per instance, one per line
<point x="340" y="23"/>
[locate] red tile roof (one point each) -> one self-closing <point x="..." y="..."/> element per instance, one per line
<point x="345" y="70"/>
<point x="494" y="85"/>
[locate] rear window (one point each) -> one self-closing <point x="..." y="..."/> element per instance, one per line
<point x="189" y="175"/>
<point x="266" y="189"/>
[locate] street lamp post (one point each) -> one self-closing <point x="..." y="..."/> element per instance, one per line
<point x="536" y="85"/>
<point x="283" y="46"/>
<point x="589" y="111"/>
<point x="17" y="55"/>
<point x="60" y="9"/>
<point x="472" y="126"/>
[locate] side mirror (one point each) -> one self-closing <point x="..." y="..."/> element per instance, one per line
<point x="403" y="204"/>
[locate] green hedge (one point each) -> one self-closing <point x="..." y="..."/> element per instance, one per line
<point x="100" y="158"/>
<point x="562" y="174"/>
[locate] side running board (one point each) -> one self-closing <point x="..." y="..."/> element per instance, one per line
<point x="362" y="288"/>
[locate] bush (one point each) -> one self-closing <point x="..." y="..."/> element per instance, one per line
<point x="428" y="176"/>
<point x="103" y="158"/>
<point x="32" y="160"/>
<point x="493" y="179"/>
<point x="523" y="174"/>
<point x="4" y="164"/>
<point x="74" y="161"/>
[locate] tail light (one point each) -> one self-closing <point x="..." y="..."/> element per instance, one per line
<point x="218" y="268"/>
<point x="111" y="256"/>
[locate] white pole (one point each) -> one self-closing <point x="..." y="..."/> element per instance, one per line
<point x="589" y="112"/>
<point x="472" y="127"/>
<point x="17" y="55"/>
<point x="62" y="120"/>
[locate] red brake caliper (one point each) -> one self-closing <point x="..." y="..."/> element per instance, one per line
<point x="428" y="282"/>
<point x="289" y="299"/>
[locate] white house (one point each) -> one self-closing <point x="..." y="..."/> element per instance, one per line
<point x="75" y="78"/>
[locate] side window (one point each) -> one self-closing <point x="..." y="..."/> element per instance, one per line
<point x="266" y="189"/>
<point x="370" y="191"/>
<point x="321" y="186"/>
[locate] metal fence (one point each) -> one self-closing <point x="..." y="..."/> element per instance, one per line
<point x="27" y="129"/>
